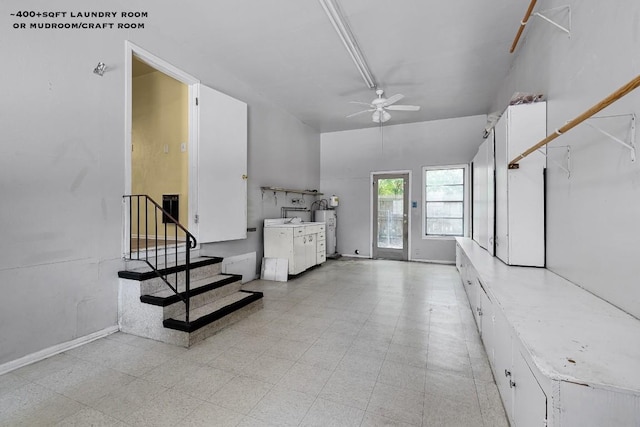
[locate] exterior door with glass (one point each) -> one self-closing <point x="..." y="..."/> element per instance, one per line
<point x="391" y="216"/>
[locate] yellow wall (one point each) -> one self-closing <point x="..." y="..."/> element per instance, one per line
<point x="160" y="118"/>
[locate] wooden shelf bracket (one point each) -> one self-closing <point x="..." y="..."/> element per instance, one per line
<point x="632" y="134"/>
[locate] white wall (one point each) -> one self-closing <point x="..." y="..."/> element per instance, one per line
<point x="592" y="217"/>
<point x="62" y="170"/>
<point x="349" y="157"/>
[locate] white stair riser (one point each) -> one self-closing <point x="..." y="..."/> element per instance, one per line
<point x="145" y="320"/>
<point x="156" y="284"/>
<point x="178" y="308"/>
<point x="214" y="327"/>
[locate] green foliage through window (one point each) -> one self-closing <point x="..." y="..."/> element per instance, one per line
<point x="390" y="187"/>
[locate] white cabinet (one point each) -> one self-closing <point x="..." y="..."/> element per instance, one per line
<point x="484" y="194"/>
<point x="520" y="192"/>
<point x="302" y="244"/>
<point x="560" y="356"/>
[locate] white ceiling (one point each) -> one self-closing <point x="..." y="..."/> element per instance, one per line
<point x="449" y="56"/>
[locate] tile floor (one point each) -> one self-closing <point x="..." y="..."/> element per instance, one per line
<point x="352" y="343"/>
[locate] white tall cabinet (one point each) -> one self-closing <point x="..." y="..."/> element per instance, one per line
<point x="520" y="192"/>
<point x="484" y="195"/>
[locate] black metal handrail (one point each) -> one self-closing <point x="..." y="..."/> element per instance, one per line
<point x="142" y="236"/>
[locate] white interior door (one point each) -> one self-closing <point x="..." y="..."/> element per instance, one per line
<point x="222" y="167"/>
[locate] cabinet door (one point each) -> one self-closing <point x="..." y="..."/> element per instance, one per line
<point x="299" y="255"/>
<point x="481" y="199"/>
<point x="486" y="324"/>
<point x="529" y="400"/>
<point x="491" y="195"/>
<point x="475" y="195"/>
<point x="502" y="213"/>
<point x="526" y="127"/>
<point x="503" y="362"/>
<point x="310" y="250"/>
<point x="278" y="243"/>
<point x="475" y="301"/>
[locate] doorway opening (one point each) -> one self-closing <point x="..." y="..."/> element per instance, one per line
<point x="159" y="148"/>
<point x="390" y="208"/>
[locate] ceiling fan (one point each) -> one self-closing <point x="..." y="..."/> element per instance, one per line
<point x="380" y="105"/>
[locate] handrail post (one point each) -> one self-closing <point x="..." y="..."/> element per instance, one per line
<point x="130" y="229"/>
<point x="187" y="279"/>
<point x="146" y="230"/>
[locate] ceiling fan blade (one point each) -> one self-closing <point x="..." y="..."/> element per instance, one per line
<point x="361" y="103"/>
<point x="404" y="107"/>
<point x="393" y="99"/>
<point x="360" y="112"/>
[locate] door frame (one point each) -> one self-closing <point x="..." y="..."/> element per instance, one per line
<point x="408" y="207"/>
<point x="192" y="83"/>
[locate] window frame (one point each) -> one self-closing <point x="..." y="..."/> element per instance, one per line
<point x="465" y="206"/>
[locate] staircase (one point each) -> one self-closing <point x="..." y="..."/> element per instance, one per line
<point x="171" y="297"/>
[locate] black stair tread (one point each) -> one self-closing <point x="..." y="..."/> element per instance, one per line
<point x="213" y="311"/>
<point x="166" y="297"/>
<point x="144" y="272"/>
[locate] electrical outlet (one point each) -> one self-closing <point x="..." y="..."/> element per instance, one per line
<point x="166" y="148"/>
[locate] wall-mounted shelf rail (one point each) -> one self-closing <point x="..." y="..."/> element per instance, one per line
<point x="288" y="190"/>
<point x="622" y="91"/>
<point x="544" y="16"/>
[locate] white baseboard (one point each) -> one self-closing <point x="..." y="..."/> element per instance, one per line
<point x="434" y="261"/>
<point x="56" y="349"/>
<point x="429" y="261"/>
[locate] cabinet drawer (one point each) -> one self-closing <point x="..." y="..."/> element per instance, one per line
<point x="320" y="246"/>
<point x="321" y="236"/>
<point x="314" y="229"/>
<point x="321" y="257"/>
<point x="299" y="231"/>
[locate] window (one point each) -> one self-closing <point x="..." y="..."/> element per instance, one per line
<point x="444" y="200"/>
